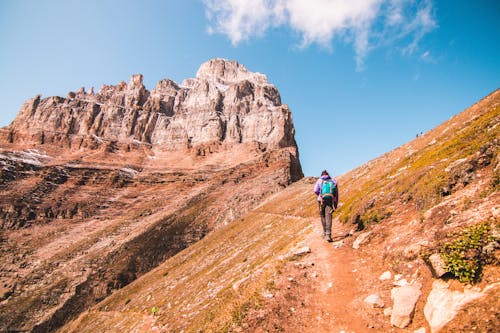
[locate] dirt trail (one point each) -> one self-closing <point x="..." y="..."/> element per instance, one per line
<point x="335" y="299"/>
<point x="322" y="291"/>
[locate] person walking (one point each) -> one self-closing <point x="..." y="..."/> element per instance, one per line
<point x="327" y="191"/>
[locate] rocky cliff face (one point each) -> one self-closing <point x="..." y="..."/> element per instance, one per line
<point x="97" y="189"/>
<point x="225" y="104"/>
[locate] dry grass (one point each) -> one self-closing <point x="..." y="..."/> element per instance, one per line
<point x="204" y="287"/>
<point x="417" y="172"/>
<point x="209" y="286"/>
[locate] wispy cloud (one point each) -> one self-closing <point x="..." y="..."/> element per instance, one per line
<point x="366" y="24"/>
<point x="427" y="57"/>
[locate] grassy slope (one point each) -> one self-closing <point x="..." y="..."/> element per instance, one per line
<point x="205" y="286"/>
<point x="416" y="172"/>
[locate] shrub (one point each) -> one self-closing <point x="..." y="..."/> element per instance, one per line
<point x="463" y="256"/>
<point x="375" y="215"/>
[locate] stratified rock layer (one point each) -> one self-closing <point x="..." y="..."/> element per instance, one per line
<point x="225" y="104"/>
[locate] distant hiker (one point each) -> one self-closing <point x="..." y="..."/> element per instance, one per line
<point x="328" y="197"/>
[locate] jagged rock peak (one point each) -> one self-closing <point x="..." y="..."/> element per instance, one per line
<point x="227" y="72"/>
<point x="226" y="103"/>
<point x="135" y="82"/>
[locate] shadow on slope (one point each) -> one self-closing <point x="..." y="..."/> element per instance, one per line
<point x="204" y="286"/>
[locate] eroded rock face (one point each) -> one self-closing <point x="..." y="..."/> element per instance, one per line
<point x="97" y="189"/>
<point x="225" y="103"/>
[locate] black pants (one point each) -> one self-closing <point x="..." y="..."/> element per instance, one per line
<point x="325" y="211"/>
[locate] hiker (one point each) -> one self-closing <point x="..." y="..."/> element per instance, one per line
<point x="328" y="197"/>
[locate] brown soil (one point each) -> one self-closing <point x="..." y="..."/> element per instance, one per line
<point x="321" y="292"/>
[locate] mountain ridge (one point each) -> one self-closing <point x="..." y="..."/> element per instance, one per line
<point x="224" y="104"/>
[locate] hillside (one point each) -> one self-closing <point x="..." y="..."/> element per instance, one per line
<point x="270" y="271"/>
<point x="97" y="189"/>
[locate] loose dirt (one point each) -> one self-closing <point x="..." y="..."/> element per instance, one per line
<point x="321" y="292"/>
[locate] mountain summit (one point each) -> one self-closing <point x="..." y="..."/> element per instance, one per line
<point x="225" y="104"/>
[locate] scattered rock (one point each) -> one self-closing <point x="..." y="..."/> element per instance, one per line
<point x="443" y="304"/>
<point x="375" y="301"/>
<point x="267" y="294"/>
<point x="420" y="330"/>
<point x="385" y="276"/>
<point x="361" y="239"/>
<point x="387" y="312"/>
<point x="404" y="299"/>
<point x="338" y="244"/>
<point x="437" y="265"/>
<point x="400" y="283"/>
<point x="301" y="251"/>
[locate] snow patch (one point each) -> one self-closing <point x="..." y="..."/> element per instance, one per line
<point x="31" y="156"/>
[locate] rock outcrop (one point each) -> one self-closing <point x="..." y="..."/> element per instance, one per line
<point x="225" y="104"/>
<point x="443" y="304"/>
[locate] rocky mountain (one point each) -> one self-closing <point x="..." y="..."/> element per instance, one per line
<point x="416" y="249"/>
<point x="98" y="189"/>
<point x="225" y="104"/>
<point x="134" y="211"/>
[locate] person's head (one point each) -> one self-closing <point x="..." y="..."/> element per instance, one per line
<point x="324" y="173"/>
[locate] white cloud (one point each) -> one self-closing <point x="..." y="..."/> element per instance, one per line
<point x="240" y="19"/>
<point x="366" y="24"/>
<point x="427" y="57"/>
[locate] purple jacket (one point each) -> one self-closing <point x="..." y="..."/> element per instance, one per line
<point x="317" y="189"/>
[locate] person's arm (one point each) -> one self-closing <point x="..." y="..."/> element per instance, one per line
<point x="317" y="187"/>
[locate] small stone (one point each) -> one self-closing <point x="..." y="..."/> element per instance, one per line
<point x="400" y="283"/>
<point x="338" y="244"/>
<point x="404" y="299"/>
<point x="267" y="295"/>
<point x="374" y="300"/>
<point x="387" y="312"/>
<point x="420" y="330"/>
<point x="437" y="265"/>
<point x="302" y="251"/>
<point x="385" y="276"/>
<point x="360" y="240"/>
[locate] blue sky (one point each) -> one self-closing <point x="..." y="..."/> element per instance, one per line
<point x="361" y="77"/>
